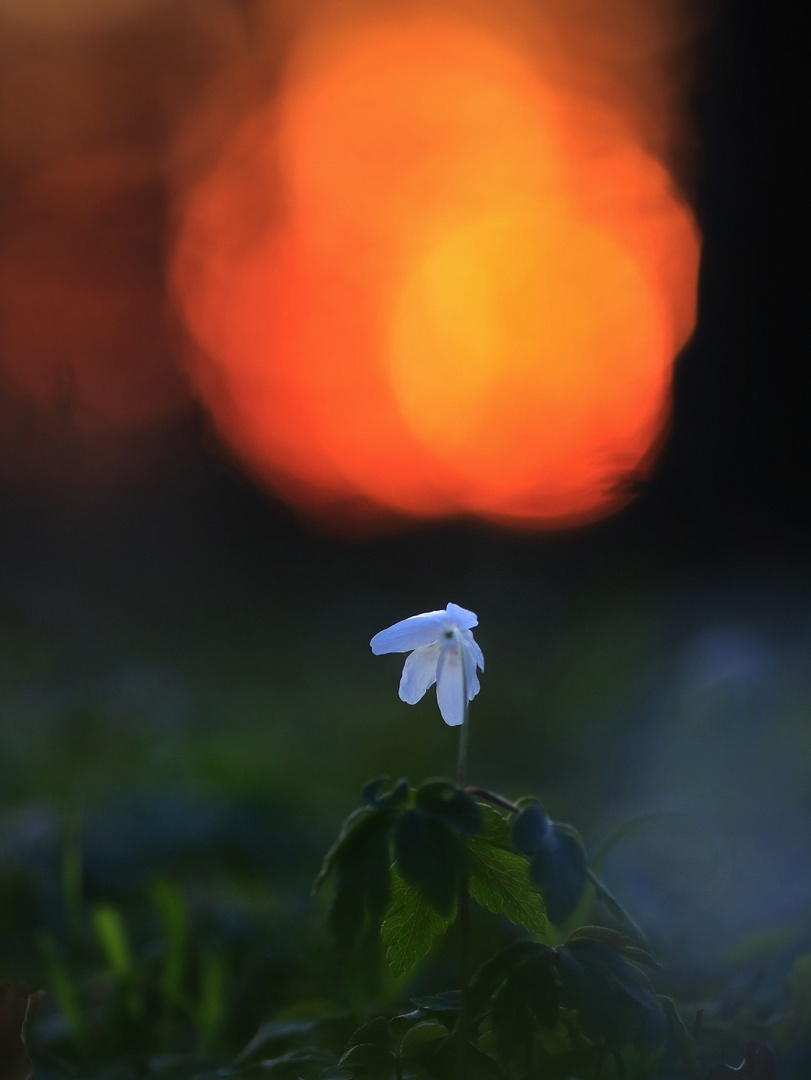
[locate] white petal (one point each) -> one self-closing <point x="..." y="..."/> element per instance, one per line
<point x="449" y="687"/>
<point x="472" y="678"/>
<point x="410" y="633"/>
<point x="419" y="672"/>
<point x="473" y="647"/>
<point x="461" y="617"/>
<point x="473" y="685"/>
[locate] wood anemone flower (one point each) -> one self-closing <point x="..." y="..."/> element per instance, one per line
<point x="442" y="651"/>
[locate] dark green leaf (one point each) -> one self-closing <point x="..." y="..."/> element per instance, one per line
<point x="496" y="829"/>
<point x="617" y="941"/>
<point x="494" y="971"/>
<point x="445" y="1004"/>
<point x="528" y="999"/>
<point x="500" y="882"/>
<point x="377" y="1032"/>
<point x="559" y="868"/>
<point x="368" y="1057"/>
<point x="615" y="907"/>
<point x="456" y="1057"/>
<point x="297" y="1064"/>
<point x="422" y="1038"/>
<point x="410" y="927"/>
<point x="392" y="799"/>
<point x="450" y="805"/>
<point x="592" y="995"/>
<point x="275" y="1033"/>
<point x="359" y="865"/>
<point x="348" y="827"/>
<point x="614" y="999"/>
<point x="683" y="1038"/>
<point x="598" y="956"/>
<point x="431" y="857"/>
<point x="531" y="829"/>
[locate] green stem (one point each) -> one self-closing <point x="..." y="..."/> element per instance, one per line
<point x="463" y="1018"/>
<point x="461" y="764"/>
<point x="463" y="905"/>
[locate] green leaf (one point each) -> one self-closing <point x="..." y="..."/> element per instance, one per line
<point x="531" y="829"/>
<point x="684" y="1040"/>
<point x="359" y="864"/>
<point x="392" y="799"/>
<point x="559" y="868"/>
<point x="410" y="927"/>
<point x="452" y="806"/>
<point x="602" y="894"/>
<point x="528" y="999"/>
<point x="112" y="935"/>
<point x="355" y="819"/>
<point x="615" y="1001"/>
<point x="422" y="1038"/>
<point x="174" y="917"/>
<point x="367" y="1057"/>
<point x="500" y="882"/>
<point x="431" y="857"/>
<point x="496" y="827"/>
<point x="615" y="940"/>
<point x="493" y="972"/>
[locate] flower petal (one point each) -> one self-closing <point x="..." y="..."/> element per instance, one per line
<point x="473" y="647"/>
<point x="410" y="633"/>
<point x="419" y="672"/>
<point x="449" y="686"/>
<point x="461" y="617"/>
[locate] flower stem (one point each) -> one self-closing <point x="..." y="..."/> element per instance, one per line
<point x="463" y="1018"/>
<point x="461" y="763"/>
<point x="463" y="901"/>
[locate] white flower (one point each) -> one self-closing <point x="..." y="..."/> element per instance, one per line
<point x="443" y="652"/>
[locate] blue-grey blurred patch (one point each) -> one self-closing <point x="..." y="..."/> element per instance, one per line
<point x="723" y="770"/>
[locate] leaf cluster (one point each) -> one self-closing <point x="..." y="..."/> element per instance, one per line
<point x="401" y="859"/>
<point x="590" y="993"/>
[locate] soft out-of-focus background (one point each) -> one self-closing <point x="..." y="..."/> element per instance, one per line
<point x="185" y="676"/>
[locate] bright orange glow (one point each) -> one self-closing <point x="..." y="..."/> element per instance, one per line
<point x="426" y="280"/>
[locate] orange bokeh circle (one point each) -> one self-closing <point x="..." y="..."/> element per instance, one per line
<point x="426" y="281"/>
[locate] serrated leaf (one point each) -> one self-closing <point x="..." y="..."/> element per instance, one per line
<point x="614" y="999"/>
<point x="450" y="805"/>
<point x="359" y="865"/>
<point x="494" y="971"/>
<point x="410" y="927"/>
<point x="328" y="863"/>
<point x="597" y="956"/>
<point x="615" y="940"/>
<point x="500" y="882"/>
<point x="529" y="998"/>
<point x="496" y="827"/>
<point x="430" y="856"/>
